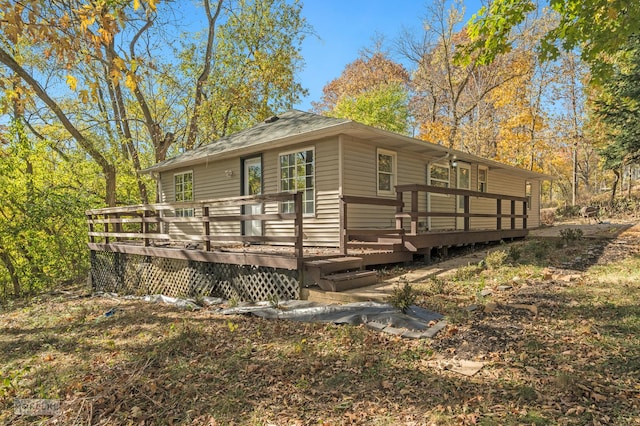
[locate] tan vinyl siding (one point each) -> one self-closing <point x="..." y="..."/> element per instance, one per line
<point x="210" y="181"/>
<point x="322" y="228"/>
<point x="360" y="179"/>
<point x="501" y="182"/>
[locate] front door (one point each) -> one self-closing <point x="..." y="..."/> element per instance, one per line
<point x="252" y="185"/>
<point x="463" y="182"/>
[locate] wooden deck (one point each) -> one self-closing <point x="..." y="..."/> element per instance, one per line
<point x="143" y="229"/>
<point x="150" y="232"/>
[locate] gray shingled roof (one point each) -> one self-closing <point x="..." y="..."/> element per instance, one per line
<point x="288" y="124"/>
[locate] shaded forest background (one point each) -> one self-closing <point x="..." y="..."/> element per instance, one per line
<point x="94" y="92"/>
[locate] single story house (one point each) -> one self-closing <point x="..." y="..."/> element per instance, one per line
<point x="359" y="187"/>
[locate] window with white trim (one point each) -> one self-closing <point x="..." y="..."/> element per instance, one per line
<point x="297" y="174"/>
<point x="387" y="175"/>
<point x="483" y="174"/>
<point x="439" y="175"/>
<point x="183" y="192"/>
<point x="528" y="194"/>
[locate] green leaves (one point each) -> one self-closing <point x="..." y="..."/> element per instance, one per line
<point x="618" y="106"/>
<point x="596" y="28"/>
<point x="385" y="107"/>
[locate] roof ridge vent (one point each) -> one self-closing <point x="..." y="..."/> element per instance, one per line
<point x="272" y="119"/>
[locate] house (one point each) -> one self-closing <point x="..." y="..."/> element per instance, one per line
<point x="359" y="188"/>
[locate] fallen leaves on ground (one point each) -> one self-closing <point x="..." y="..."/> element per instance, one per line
<point x="571" y="360"/>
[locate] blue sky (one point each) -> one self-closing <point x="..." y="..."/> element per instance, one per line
<point x="345" y="27"/>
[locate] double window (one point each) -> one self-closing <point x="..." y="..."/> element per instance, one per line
<point x="387" y="175"/>
<point x="183" y="190"/>
<point x="297" y="174"/>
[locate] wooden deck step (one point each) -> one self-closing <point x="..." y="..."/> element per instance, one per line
<point x="316" y="270"/>
<point x="376" y="245"/>
<point x="334" y="264"/>
<point x="348" y="280"/>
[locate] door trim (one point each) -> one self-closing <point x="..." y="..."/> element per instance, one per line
<point x="243" y="186"/>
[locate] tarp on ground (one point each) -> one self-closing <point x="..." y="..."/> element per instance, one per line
<point x="417" y="322"/>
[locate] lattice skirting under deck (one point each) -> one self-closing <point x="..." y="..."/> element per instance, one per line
<point x="135" y="274"/>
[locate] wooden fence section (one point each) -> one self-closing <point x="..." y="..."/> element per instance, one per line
<point x="145" y="224"/>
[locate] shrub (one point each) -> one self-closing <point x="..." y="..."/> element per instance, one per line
<point x="495" y="259"/>
<point x="568" y="211"/>
<point x="402" y="297"/>
<point x="468" y="272"/>
<point x="548" y="216"/>
<point x="515" y="253"/>
<point x="570" y="235"/>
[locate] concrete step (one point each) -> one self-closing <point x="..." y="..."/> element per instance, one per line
<point x="348" y="280"/>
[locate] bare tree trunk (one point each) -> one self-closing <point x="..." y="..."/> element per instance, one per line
<point x="202" y="79"/>
<point x="614" y="187"/>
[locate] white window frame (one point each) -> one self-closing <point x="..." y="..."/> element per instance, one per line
<point x="182" y="212"/>
<point x="393" y="174"/>
<point x="528" y="193"/>
<point x="285" y="206"/>
<point x="439" y="182"/>
<point x="486" y="179"/>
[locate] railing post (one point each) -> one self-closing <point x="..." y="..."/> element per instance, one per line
<point x="513" y="214"/>
<point x="299" y="249"/>
<point x="414" y="212"/>
<point x="499" y="213"/>
<point x="524" y="215"/>
<point x="90" y="220"/>
<point x="467" y="218"/>
<point x="399" y="209"/>
<point x="344" y="236"/>
<point x="207" y="227"/>
<point x="106" y="228"/>
<point x="145" y="227"/>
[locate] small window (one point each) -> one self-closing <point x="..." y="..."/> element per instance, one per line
<point x="528" y="194"/>
<point x="482" y="178"/>
<point x="386" y="172"/>
<point x="183" y="186"/>
<point x="439" y="175"/>
<point x="297" y="174"/>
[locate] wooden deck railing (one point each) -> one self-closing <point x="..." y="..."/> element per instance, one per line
<point x="144" y="223"/>
<point x="346" y="232"/>
<point x="414" y="214"/>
